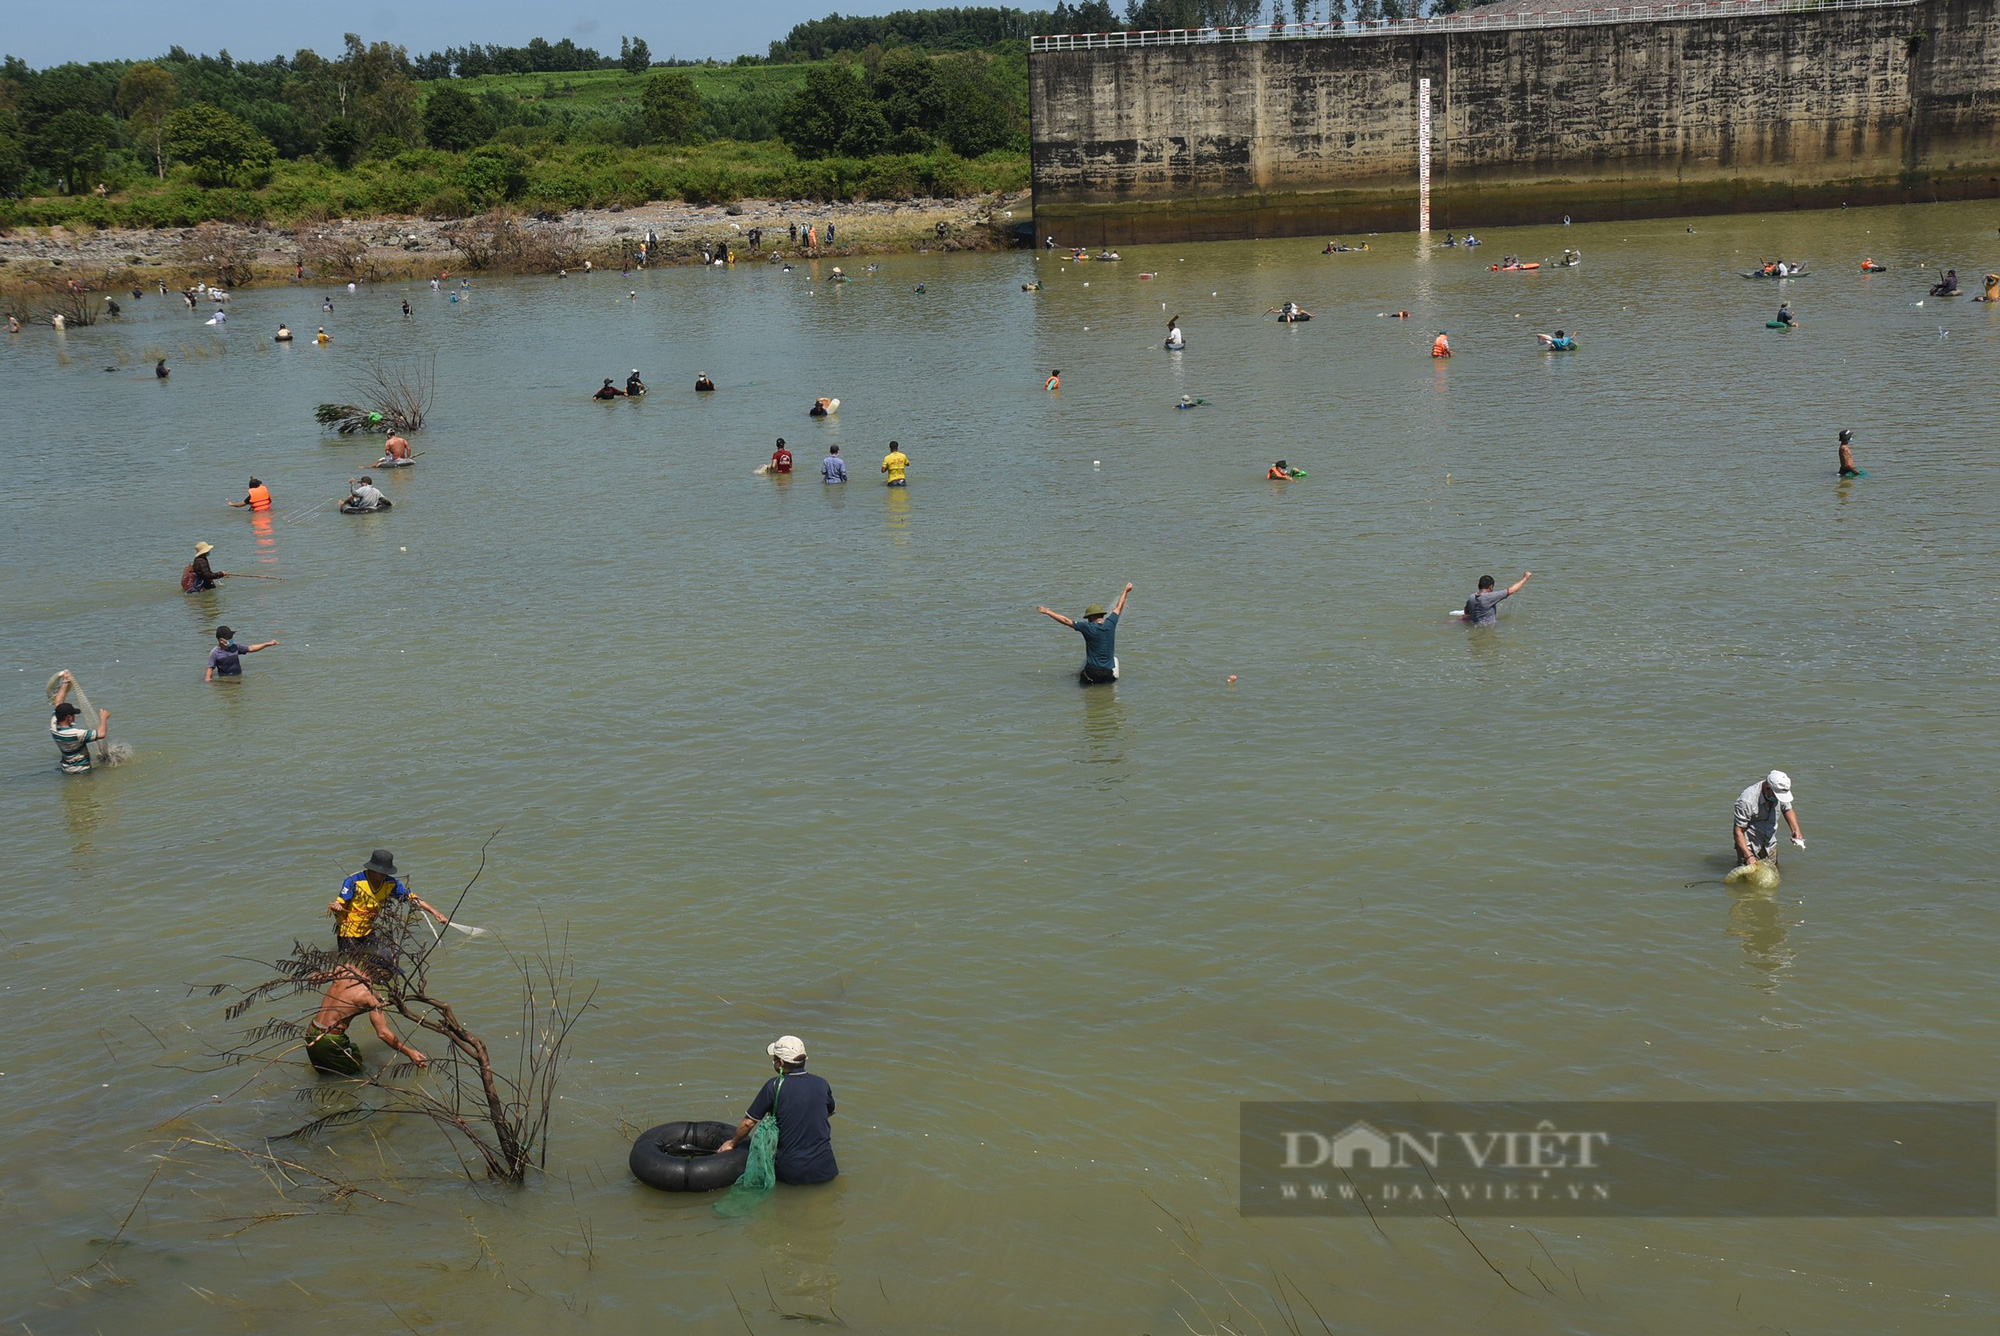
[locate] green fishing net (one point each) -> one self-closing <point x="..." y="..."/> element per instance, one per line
<point x="760" y="1171"/>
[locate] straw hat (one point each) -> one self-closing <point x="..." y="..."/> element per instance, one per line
<point x="203" y="549"/>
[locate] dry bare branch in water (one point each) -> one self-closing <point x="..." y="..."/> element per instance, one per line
<point x="72" y="299"/>
<point x="219" y="254"/>
<point x="502" y="240"/>
<point x="395" y="395"/>
<point x="497" y="1110"/>
<point x="336" y="254"/>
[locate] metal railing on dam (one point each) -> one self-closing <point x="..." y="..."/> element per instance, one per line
<point x="1472" y="21"/>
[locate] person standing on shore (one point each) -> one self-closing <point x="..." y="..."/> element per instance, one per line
<point x="833" y="468"/>
<point x="1755" y="833"/>
<point x="1099" y="630"/>
<point x="802" y="1104"/>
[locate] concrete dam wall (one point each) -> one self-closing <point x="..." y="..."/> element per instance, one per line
<point x="1219" y="140"/>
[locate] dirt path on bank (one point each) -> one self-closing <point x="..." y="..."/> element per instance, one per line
<point x="391" y="248"/>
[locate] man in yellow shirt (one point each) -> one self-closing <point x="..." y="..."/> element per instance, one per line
<point x="895" y="464"/>
<point x="362" y="897"/>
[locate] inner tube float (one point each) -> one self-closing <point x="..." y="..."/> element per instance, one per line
<point x="1297" y="317"/>
<point x="388" y="462"/>
<point x="680" y="1157"/>
<point x="346" y="509"/>
<point x="1759" y="273"/>
<point x="1777" y="324"/>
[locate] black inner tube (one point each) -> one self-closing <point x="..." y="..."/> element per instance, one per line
<point x="682" y="1157"/>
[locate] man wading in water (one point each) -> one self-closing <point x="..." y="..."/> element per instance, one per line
<point x="73" y="739"/>
<point x="349" y="994"/>
<point x="1757" y="808"/>
<point x="361" y="898"/>
<point x="803" y="1104"/>
<point x="1099" y="630"/>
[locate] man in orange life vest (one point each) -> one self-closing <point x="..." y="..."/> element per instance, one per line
<point x="1440" y="346"/>
<point x="257" y="498"/>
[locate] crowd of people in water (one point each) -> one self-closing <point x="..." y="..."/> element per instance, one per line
<point x="803" y="1103"/>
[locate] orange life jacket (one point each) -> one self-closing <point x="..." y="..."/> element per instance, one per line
<point x="259" y="498"/>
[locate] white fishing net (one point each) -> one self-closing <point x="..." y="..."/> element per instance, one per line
<point x="101" y="752"/>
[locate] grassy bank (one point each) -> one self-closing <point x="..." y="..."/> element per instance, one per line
<point x="535" y="177"/>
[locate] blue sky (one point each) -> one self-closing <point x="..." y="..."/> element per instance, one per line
<point x="48" y="32"/>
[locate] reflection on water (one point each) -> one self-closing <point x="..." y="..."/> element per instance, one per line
<point x="1103" y="730"/>
<point x="798" y="1232"/>
<point x="82" y="808"/>
<point x="897" y="514"/>
<point x="1759" y="920"/>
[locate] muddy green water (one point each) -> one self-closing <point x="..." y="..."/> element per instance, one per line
<point x="784" y="757"/>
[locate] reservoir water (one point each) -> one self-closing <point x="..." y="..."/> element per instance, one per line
<point x="787" y="758"/>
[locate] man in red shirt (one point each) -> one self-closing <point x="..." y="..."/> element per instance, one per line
<point x="781" y="458"/>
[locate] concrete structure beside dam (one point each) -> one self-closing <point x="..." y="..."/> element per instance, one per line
<point x="1519" y="117"/>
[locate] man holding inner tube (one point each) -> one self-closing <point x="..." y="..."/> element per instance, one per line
<point x="803" y="1106"/>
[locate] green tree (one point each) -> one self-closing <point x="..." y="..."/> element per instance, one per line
<point x="635" y="55"/>
<point x="147" y="95"/>
<point x="912" y="98"/>
<point x="339" y="141"/>
<point x="71" y="144"/>
<point x="13" y="151"/>
<point x="453" y="120"/>
<point x="672" y="107"/>
<point x="494" y="173"/>
<point x="221" y="149"/>
<point x="832" y="112"/>
<point x="978" y="115"/>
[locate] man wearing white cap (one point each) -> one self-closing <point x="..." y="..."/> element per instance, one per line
<point x="803" y="1104"/>
<point x="1757" y="809"/>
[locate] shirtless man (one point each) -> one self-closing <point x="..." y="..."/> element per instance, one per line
<point x="349" y="994"/>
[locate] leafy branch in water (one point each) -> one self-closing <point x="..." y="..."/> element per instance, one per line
<point x="395" y="396"/>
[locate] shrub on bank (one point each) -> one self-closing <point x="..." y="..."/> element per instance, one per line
<point x="541" y="175"/>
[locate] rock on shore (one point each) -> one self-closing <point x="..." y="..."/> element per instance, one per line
<point x="390" y="248"/>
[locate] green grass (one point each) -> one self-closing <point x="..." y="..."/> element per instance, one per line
<point x="552" y="176"/>
<point x="601" y="87"/>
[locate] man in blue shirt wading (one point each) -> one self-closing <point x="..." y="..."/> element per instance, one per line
<point x="833" y="468"/>
<point x="1099" y="630"/>
<point x="803" y="1105"/>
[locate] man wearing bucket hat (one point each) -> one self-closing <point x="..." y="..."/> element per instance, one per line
<point x="1757" y="810"/>
<point x="1099" y="630"/>
<point x="360" y="900"/>
<point x="803" y="1105"/>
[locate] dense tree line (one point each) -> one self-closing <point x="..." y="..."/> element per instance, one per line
<point x="539" y="56"/>
<point x="74" y="126"/>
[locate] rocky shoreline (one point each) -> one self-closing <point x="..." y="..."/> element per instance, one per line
<point x="40" y="259"/>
